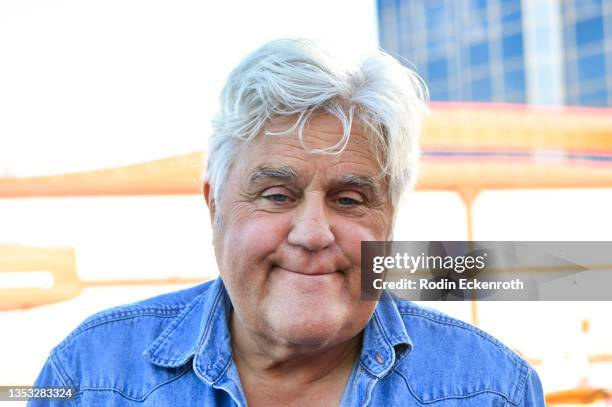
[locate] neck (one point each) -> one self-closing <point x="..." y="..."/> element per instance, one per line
<point x="287" y="370"/>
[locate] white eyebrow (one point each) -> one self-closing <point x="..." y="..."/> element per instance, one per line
<point x="360" y="181"/>
<point x="285" y="173"/>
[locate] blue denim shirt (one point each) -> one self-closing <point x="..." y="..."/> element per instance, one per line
<point x="175" y="350"/>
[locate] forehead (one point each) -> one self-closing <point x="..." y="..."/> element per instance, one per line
<point x="358" y="158"/>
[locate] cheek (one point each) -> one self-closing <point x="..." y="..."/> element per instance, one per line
<point x="349" y="237"/>
<point x="249" y="238"/>
<point x="350" y="234"/>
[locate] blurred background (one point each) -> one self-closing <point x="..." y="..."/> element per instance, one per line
<point x="104" y="116"/>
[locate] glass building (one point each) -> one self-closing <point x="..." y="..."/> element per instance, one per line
<point x="532" y="51"/>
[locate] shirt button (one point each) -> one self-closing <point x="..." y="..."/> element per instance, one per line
<point x="379" y="359"/>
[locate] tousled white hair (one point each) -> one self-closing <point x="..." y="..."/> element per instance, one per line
<point x="296" y="78"/>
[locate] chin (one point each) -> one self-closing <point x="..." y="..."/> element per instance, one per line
<point x="312" y="328"/>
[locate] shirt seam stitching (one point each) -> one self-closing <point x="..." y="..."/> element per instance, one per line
<point x="520" y="386"/>
<point x="369" y="389"/>
<point x="144" y="397"/>
<point x="69" y="340"/>
<point x="462" y="325"/>
<point x="518" y="362"/>
<point x="435" y="400"/>
<point x="66" y="381"/>
<point x="377" y="320"/>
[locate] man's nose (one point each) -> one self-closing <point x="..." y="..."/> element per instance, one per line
<point x="311" y="228"/>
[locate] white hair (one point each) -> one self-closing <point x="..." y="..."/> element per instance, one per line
<point x="291" y="78"/>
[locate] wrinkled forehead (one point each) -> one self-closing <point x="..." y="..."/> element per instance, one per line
<point x="297" y="159"/>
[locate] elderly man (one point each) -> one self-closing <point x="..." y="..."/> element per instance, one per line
<point x="308" y="158"/>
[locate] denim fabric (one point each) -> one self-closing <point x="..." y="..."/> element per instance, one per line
<point x="175" y="350"/>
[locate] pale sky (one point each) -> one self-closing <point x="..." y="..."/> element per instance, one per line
<point x="87" y="84"/>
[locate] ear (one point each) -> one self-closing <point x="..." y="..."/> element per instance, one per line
<point x="210" y="200"/>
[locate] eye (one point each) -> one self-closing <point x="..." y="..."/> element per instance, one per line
<point x="348" y="201"/>
<point x="277" y="198"/>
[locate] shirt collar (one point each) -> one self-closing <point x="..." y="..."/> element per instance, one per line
<point x="201" y="332"/>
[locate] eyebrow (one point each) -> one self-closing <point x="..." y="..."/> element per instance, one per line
<point x="359" y="181"/>
<point x="265" y="173"/>
<point x="288" y="174"/>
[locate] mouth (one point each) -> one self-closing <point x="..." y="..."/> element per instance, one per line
<point x="310" y="273"/>
<point x="310" y="281"/>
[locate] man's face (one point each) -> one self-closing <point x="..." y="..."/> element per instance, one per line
<point x="288" y="232"/>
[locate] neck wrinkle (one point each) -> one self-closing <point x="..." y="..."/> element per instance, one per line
<point x="305" y="369"/>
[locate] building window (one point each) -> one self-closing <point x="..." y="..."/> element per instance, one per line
<point x="439" y="93"/>
<point x="588" y="31"/>
<point x="588" y="6"/>
<point x="436" y="15"/>
<point x="512" y="46"/>
<point x="479" y="54"/>
<point x="437" y="69"/>
<point x="478" y="6"/>
<point x="515" y="81"/>
<point x="511" y="12"/>
<point x="591" y="67"/>
<point x="596" y="99"/>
